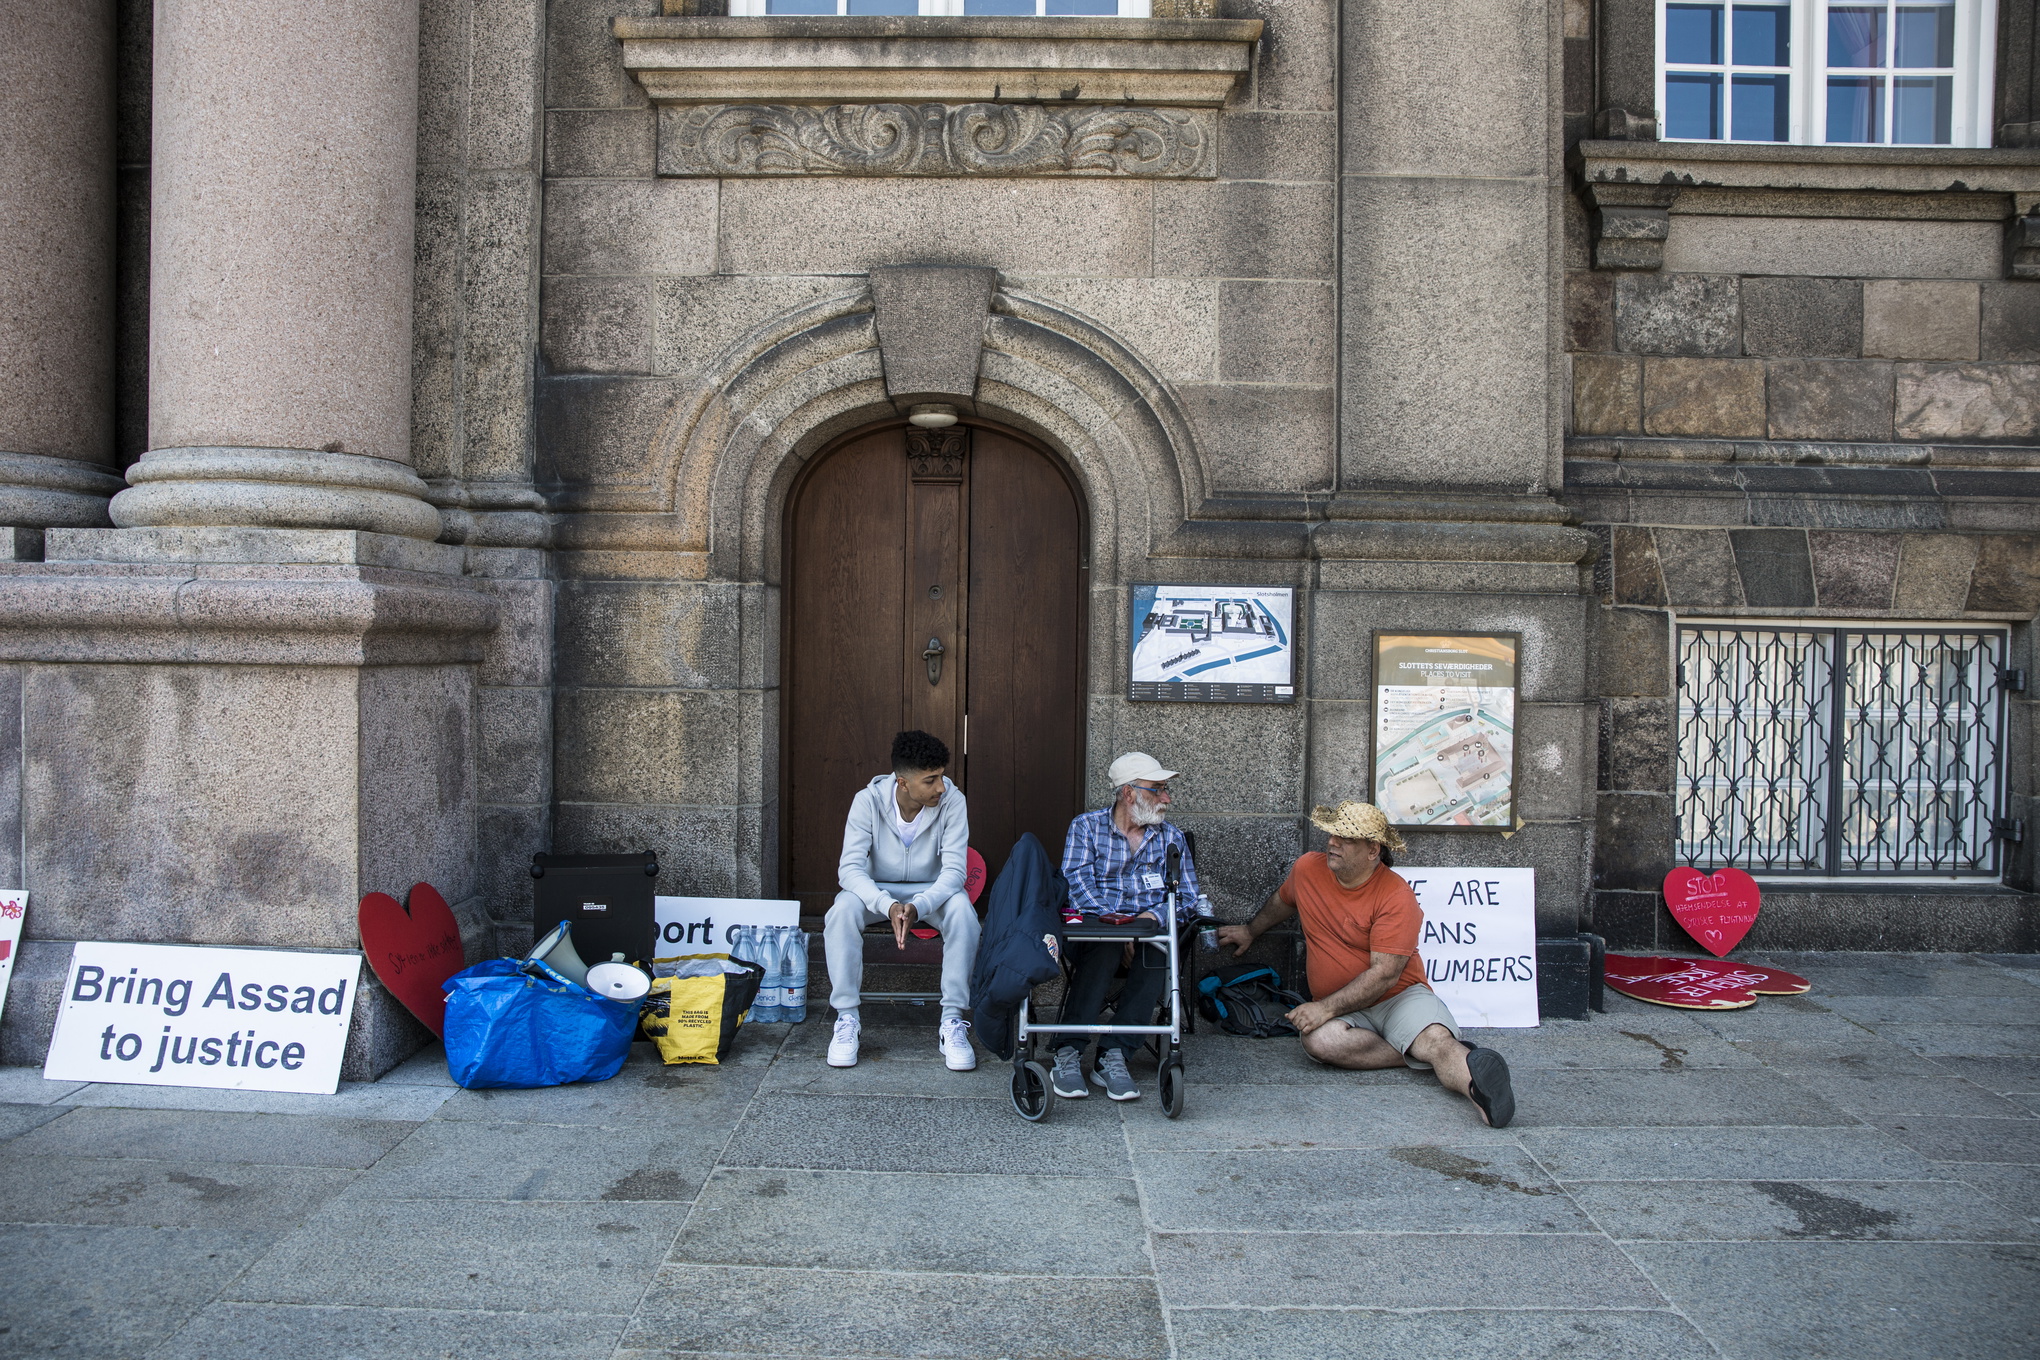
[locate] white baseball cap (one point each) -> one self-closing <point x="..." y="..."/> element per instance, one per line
<point x="1137" y="765"/>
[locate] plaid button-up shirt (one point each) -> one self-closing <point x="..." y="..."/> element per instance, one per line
<point x="1107" y="875"/>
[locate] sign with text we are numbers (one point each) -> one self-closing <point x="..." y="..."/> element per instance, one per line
<point x="181" y="1015"/>
<point x="1479" y="944"/>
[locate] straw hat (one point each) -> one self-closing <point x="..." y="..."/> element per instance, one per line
<point x="1357" y="822"/>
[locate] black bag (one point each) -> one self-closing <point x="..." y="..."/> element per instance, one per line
<point x="1249" y="1000"/>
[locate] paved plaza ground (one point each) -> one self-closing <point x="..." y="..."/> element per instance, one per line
<point x="1853" y="1173"/>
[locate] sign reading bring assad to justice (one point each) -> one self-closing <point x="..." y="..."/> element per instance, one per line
<point x="1445" y="729"/>
<point x="1214" y="644"/>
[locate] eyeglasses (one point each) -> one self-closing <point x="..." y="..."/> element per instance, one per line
<point x="1151" y="788"/>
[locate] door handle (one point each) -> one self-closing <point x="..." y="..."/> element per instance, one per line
<point x="933" y="656"/>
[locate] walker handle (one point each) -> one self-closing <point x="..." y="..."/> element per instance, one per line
<point x="1174" y="876"/>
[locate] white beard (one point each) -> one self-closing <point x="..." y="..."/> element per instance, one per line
<point x="1141" y="812"/>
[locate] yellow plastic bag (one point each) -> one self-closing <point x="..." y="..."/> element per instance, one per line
<point x="693" y="1017"/>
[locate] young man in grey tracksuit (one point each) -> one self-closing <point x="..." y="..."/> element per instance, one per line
<point x="904" y="846"/>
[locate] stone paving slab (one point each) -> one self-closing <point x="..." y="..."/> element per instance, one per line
<point x="875" y="1133"/>
<point x="1461" y="1333"/>
<point x="645" y="1092"/>
<point x="132" y="1193"/>
<point x="2004" y="1075"/>
<point x="1862" y="1053"/>
<point x="1850" y="1154"/>
<point x="1966" y="1041"/>
<point x="207" y="1136"/>
<point x="1872" y="1095"/>
<point x="226" y="1331"/>
<point x="1696" y="1097"/>
<point x="354" y="1100"/>
<point x="1967" y="1140"/>
<point x="101" y="1293"/>
<point x="1363" y="1113"/>
<point x="16" y="1120"/>
<point x="26" y="1086"/>
<point x="470" y="1159"/>
<point x="2015" y="1187"/>
<point x="1874" y="1300"/>
<point x="2022" y="1008"/>
<point x="1897" y="1211"/>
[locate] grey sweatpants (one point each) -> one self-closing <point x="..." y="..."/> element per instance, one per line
<point x="843" y="944"/>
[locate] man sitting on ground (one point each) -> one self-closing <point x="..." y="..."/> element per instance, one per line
<point x="1115" y="861"/>
<point x="1361" y="923"/>
<point x="904" y="847"/>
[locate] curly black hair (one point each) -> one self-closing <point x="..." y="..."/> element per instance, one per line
<point x="913" y="752"/>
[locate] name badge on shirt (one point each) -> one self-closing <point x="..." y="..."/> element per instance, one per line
<point x="1151" y="881"/>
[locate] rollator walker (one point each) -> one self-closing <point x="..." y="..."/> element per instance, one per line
<point x="1031" y="1096"/>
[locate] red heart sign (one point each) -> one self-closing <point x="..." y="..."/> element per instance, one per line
<point x="413" y="950"/>
<point x="1701" y="987"/>
<point x="1769" y="981"/>
<point x="973" y="875"/>
<point x="1716" y="909"/>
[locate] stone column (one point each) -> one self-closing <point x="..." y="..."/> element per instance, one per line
<point x="56" y="263"/>
<point x="285" y="159"/>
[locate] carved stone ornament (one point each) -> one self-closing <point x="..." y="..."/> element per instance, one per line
<point x="936" y="139"/>
<point x="937" y="455"/>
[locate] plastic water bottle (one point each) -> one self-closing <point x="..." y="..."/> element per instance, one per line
<point x="754" y="945"/>
<point x="793" y="975"/>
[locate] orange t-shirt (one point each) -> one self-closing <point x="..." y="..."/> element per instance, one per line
<point x="1344" y="926"/>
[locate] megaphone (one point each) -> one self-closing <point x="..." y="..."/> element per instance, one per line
<point x="618" y="981"/>
<point x="556" y="951"/>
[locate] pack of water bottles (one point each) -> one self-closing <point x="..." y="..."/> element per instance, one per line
<point x="782" y="951"/>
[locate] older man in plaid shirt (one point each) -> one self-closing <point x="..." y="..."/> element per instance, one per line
<point x="1116" y="861"/>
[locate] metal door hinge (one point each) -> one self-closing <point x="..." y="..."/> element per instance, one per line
<point x="2011" y="829"/>
<point x="2013" y="679"/>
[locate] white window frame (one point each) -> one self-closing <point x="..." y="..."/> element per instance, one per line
<point x="1974" y="75"/>
<point x="1128" y="9"/>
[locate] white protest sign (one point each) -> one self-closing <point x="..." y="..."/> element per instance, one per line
<point x="1480" y="942"/>
<point x="179" y="1015"/>
<point x="13" y="906"/>
<point x="708" y="925"/>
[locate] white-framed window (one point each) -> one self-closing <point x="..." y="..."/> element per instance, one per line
<point x="1097" y="9"/>
<point x="1846" y="72"/>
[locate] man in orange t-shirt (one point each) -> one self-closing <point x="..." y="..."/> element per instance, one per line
<point x="1361" y="923"/>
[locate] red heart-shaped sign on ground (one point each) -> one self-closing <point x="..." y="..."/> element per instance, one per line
<point x="1769" y="981"/>
<point x="1716" y="909"/>
<point x="1697" y="988"/>
<point x="413" y="951"/>
<point x="973" y="875"/>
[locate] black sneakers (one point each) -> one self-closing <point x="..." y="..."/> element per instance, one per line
<point x="1490" y="1089"/>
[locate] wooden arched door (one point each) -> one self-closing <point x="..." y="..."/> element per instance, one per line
<point x="934" y="579"/>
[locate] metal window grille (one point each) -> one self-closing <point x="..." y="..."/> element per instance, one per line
<point x="1838" y="752"/>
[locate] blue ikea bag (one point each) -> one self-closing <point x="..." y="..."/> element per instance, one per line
<point x="507" y="1027"/>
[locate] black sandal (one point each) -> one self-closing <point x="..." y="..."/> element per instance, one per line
<point x="1489" y="1087"/>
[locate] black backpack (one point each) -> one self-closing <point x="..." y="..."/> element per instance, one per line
<point x="1249" y="1001"/>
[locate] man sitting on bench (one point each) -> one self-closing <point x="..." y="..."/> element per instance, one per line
<point x="1115" y="861"/>
<point x="904" y="847"/>
<point x="1361" y="922"/>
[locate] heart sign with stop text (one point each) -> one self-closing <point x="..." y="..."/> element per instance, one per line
<point x="413" y="948"/>
<point x="1716" y="909"/>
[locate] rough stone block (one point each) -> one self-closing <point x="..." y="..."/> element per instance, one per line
<point x="1234" y="758"/>
<point x="1834" y="247"/>
<point x="931" y="328"/>
<point x="1637" y="579"/>
<point x="505" y="76"/>
<point x="1630" y="652"/>
<point x="697" y="846"/>
<point x="1171" y="323"/>
<point x="1240" y="860"/>
<point x="1243" y="230"/>
<point x="1295" y="59"/>
<point x="1699" y="568"/>
<point x="1716" y="398"/>
<point x="1589" y="311"/>
<point x="1638" y="750"/>
<point x="1607" y="394"/>
<point x="505" y="840"/>
<point x="1092" y="228"/>
<point x="1968" y="401"/>
<point x="2011" y="322"/>
<point x="2007" y="574"/>
<point x="1627" y="920"/>
<point x="1447" y="325"/>
<point x="1812" y="399"/>
<point x="583" y="66"/>
<point x="1684" y="314"/>
<point x="698" y="318"/>
<point x="683" y="635"/>
<point x="1791" y="318"/>
<point x="1920" y="319"/>
<point x="515" y="731"/>
<point x="664" y="226"/>
<point x="1342" y="624"/>
<point x="499" y="244"/>
<point x="596" y="325"/>
<point x="1775" y="567"/>
<point x="599" y="429"/>
<point x="1276" y="332"/>
<point x="519" y="652"/>
<point x="10" y="776"/>
<point x="1484" y="117"/>
<point x="1633" y="834"/>
<point x="1554" y="773"/>
<point x="605" y="143"/>
<point x="1262" y="437"/>
<point x="628" y="746"/>
<point x="1854" y="571"/>
<point x="1296" y="147"/>
<point x="1934" y="572"/>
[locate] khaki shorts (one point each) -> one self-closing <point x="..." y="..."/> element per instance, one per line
<point x="1402" y="1017"/>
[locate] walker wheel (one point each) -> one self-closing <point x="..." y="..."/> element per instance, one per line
<point x="1172" y="1087"/>
<point x="1030" y="1091"/>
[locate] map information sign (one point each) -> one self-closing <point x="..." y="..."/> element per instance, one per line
<point x="1214" y="644"/>
<point x="1445" y="729"/>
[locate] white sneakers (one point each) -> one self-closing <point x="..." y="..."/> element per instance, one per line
<point x="843" y="1043"/>
<point x="953" y="1042"/>
<point x="955" y="1045"/>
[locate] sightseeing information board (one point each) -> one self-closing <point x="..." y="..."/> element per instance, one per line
<point x="1214" y="644"/>
<point x="1445" y="729"/>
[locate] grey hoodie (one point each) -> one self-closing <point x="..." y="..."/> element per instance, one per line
<point x="873" y="853"/>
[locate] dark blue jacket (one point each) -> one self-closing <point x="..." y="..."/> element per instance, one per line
<point x="1013" y="955"/>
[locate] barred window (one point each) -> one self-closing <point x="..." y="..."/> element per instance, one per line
<point x="1124" y="9"/>
<point x="1835" y="752"/>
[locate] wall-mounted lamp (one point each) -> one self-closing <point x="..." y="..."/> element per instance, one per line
<point x="932" y="417"/>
